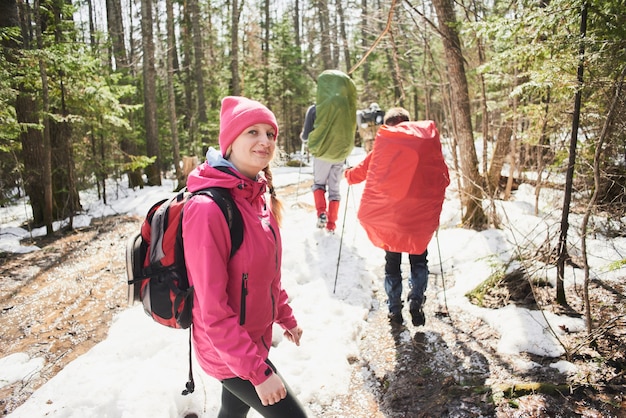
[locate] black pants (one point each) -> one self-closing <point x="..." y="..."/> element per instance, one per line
<point x="239" y="395"/>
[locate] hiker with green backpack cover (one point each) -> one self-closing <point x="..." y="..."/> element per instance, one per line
<point x="328" y="131"/>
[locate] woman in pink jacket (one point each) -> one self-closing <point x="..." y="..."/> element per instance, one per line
<point x="238" y="299"/>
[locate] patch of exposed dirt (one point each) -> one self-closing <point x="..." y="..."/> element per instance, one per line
<point x="58" y="302"/>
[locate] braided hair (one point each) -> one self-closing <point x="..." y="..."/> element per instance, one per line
<point x="276" y="205"/>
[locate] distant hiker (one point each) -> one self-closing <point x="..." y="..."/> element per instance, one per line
<point x="329" y="129"/>
<point x="406" y="177"/>
<point x="367" y="122"/>
<point x="238" y="299"/>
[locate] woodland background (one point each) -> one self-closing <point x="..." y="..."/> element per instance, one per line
<point x="95" y="89"/>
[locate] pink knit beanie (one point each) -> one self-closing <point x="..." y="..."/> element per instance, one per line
<point x="237" y="114"/>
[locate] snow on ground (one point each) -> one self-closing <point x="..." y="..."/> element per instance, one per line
<point x="140" y="369"/>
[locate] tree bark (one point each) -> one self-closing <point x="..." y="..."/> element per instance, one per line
<point x="235" y="87"/>
<point x="66" y="200"/>
<point x="149" y="94"/>
<point x="619" y="84"/>
<point x="266" y="52"/>
<point x="189" y="121"/>
<point x="562" y="252"/>
<point x="344" y="36"/>
<point x="497" y="160"/>
<point x="121" y="64"/>
<point x="198" y="55"/>
<point x="32" y="153"/>
<point x="395" y="71"/>
<point x="171" y="98"/>
<point x="46" y="162"/>
<point x="471" y="193"/>
<point x="322" y="8"/>
<point x="542" y="149"/>
<point x="296" y="30"/>
<point x="116" y="33"/>
<point x="25" y="108"/>
<point x="368" y="95"/>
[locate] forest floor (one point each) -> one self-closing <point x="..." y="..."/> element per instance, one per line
<point x="448" y="368"/>
<point x="451" y="368"/>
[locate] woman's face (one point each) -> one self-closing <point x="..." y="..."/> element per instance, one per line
<point x="253" y="149"/>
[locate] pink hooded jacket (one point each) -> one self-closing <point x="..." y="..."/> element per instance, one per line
<point x="236" y="301"/>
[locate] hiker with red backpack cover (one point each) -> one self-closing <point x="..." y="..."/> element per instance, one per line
<point x="406" y="178"/>
<point x="237" y="299"/>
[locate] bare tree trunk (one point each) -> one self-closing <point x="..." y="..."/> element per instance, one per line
<point x="235" y="85"/>
<point x="92" y="27"/>
<point x="426" y="79"/>
<point x="102" y="169"/>
<point x="344" y="36"/>
<point x="542" y="148"/>
<point x="98" y="162"/>
<point x="116" y="33"/>
<point x="497" y="159"/>
<point x="473" y="14"/>
<point x="189" y="121"/>
<point x="471" y="194"/>
<point x="115" y="27"/>
<point x="32" y="153"/>
<point x="149" y="94"/>
<point x="46" y="163"/>
<point x="8" y="18"/>
<point x="297" y="30"/>
<point x="513" y="154"/>
<point x="451" y="133"/>
<point x="66" y="200"/>
<point x="135" y="178"/>
<point x="171" y="98"/>
<point x="395" y="71"/>
<point x="619" y="84"/>
<point x="485" y="118"/>
<point x="26" y="109"/>
<point x="198" y="54"/>
<point x="333" y="35"/>
<point x="325" y="53"/>
<point x="368" y="95"/>
<point x="563" y="255"/>
<point x="266" y="52"/>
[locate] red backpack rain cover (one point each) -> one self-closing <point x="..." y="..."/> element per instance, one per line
<point x="405" y="187"/>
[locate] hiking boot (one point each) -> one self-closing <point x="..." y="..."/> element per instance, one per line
<point x="322" y="220"/>
<point x="395" y="318"/>
<point x="417" y="313"/>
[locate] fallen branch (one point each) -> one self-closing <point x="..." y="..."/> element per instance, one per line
<point x="515" y="390"/>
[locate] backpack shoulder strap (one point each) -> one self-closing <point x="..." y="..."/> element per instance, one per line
<point x="231" y="212"/>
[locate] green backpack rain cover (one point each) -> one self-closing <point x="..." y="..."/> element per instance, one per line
<point x="332" y="138"/>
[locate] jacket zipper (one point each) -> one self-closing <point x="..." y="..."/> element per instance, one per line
<point x="276" y="264"/>
<point x="244" y="293"/>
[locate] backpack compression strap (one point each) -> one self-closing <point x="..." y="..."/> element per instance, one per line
<point x="225" y="201"/>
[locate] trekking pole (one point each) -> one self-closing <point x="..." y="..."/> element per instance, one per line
<point x="443" y="280"/>
<point x="343" y="228"/>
